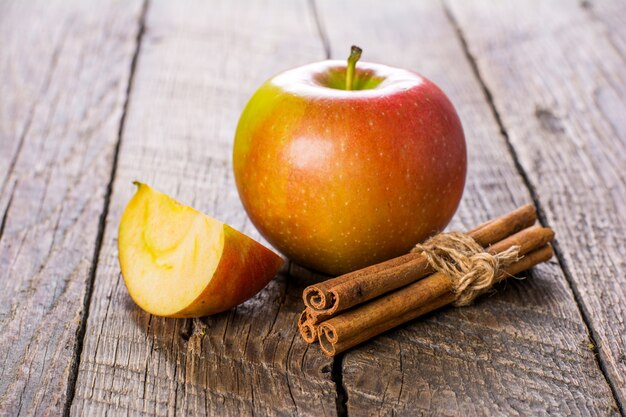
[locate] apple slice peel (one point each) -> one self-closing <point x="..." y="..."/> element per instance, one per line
<point x="179" y="262"/>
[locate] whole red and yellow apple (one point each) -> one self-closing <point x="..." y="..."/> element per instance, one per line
<point x="340" y="168"/>
<point x="178" y="262"/>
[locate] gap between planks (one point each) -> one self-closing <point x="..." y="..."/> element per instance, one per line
<point x="73" y="375"/>
<point x="341" y="399"/>
<point x="536" y="201"/>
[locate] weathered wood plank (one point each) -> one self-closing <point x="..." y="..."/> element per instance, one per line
<point x="612" y="16"/>
<point x="556" y="72"/>
<point x="199" y="63"/>
<point x="523" y="351"/>
<point x="64" y="68"/>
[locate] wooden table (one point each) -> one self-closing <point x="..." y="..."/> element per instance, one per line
<point x="95" y="95"/>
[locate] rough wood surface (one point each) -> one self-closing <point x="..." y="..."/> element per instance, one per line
<point x="199" y="63"/>
<point x="523" y="351"/>
<point x="64" y="67"/>
<point x="556" y="72"/>
<point x="540" y="88"/>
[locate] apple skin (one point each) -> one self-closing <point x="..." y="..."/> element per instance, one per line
<point x="242" y="268"/>
<point x="245" y="268"/>
<point x="338" y="180"/>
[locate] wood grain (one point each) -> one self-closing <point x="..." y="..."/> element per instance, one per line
<point x="64" y="67"/>
<point x="556" y="72"/>
<point x="199" y="63"/>
<point x="523" y="351"/>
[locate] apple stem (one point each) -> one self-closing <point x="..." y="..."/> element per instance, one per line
<point x="355" y="54"/>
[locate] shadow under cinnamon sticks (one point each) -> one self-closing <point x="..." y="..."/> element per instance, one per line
<point x="362" y="323"/>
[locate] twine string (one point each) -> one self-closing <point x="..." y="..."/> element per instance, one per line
<point x="471" y="269"/>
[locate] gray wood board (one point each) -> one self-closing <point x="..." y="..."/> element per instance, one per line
<point x="65" y="67"/>
<point x="556" y="73"/>
<point x="524" y="350"/>
<point x="199" y="63"/>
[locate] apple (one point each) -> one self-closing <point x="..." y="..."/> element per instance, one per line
<point x="343" y="166"/>
<point x="178" y="262"/>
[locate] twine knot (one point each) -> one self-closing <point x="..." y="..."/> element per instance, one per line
<point x="471" y="269"/>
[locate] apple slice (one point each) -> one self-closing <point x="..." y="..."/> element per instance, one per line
<point x="178" y="262"/>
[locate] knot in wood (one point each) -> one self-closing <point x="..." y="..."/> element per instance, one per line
<point x="471" y="269"/>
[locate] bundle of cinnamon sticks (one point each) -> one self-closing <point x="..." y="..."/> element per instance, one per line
<point x="342" y="312"/>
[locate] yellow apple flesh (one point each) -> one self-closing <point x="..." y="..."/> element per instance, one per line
<point x="178" y="262"/>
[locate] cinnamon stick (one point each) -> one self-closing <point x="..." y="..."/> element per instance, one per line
<point x="327" y="298"/>
<point x="307" y="328"/>
<point x="360" y="324"/>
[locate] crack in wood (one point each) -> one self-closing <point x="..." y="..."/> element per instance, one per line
<point x="337" y="377"/>
<point x="593" y="336"/>
<point x="401" y="357"/>
<point x="81" y="330"/>
<point x="3" y="222"/>
<point x="321" y="30"/>
<point x="341" y="402"/>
